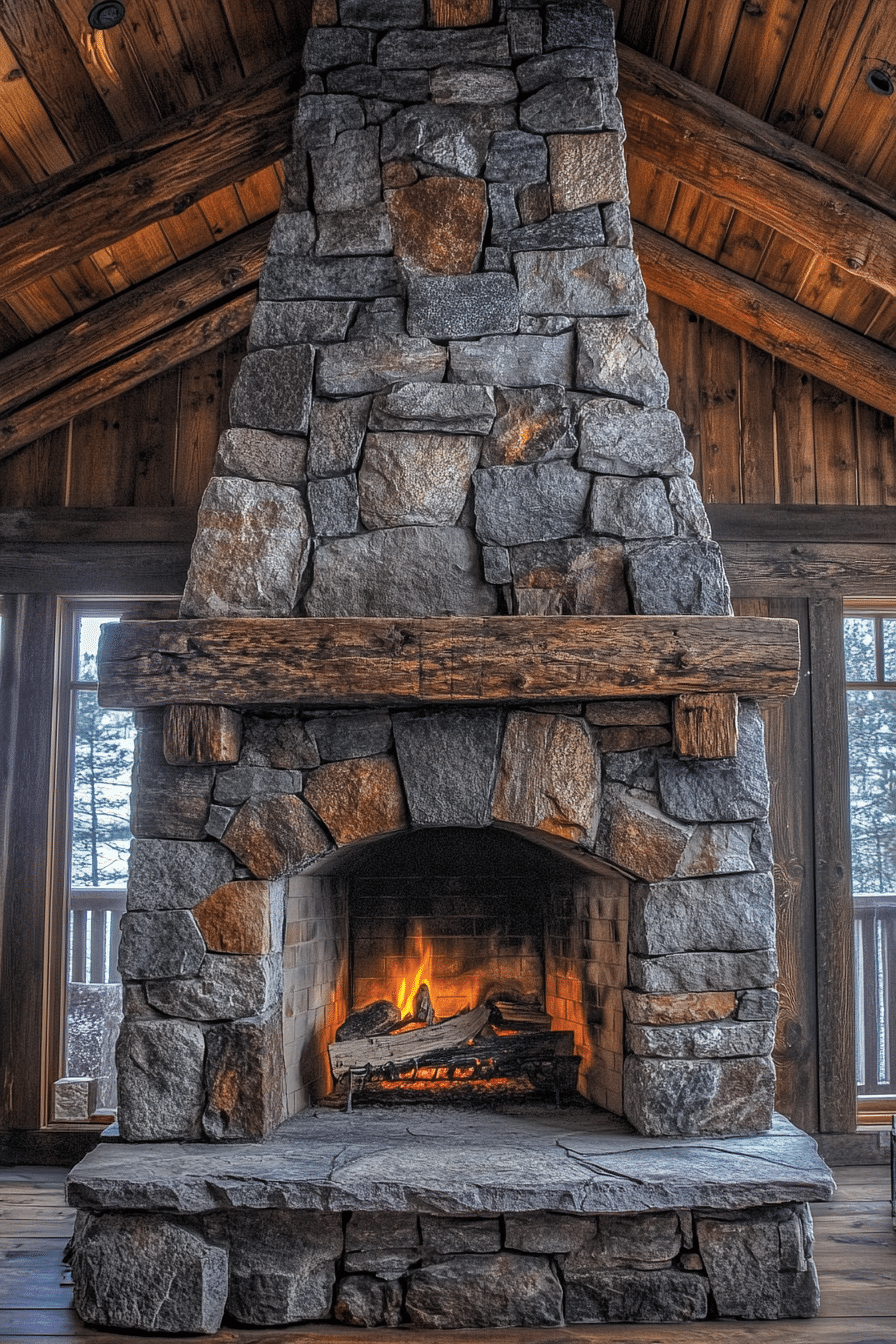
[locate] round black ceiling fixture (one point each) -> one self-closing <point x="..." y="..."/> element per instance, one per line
<point x="107" y="14"/>
<point x="880" y="82"/>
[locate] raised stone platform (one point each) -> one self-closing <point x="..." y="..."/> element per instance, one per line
<point x="441" y="1161"/>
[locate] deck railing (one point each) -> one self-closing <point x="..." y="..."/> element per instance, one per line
<point x="875" y="969"/>
<point x="94" y="919"/>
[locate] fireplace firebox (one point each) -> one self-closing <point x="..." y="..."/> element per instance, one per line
<point x="449" y="956"/>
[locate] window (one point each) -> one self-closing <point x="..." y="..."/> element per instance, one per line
<point x="99" y="787"/>
<point x="870" y="647"/>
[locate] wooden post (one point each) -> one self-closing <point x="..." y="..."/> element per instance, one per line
<point x="705" y="726"/>
<point x="202" y="735"/>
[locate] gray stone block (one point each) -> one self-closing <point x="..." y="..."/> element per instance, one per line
<point x="385" y="1264"/>
<point x="406" y="479"/>
<point x="260" y="456"/>
<point x="175" y="874"/>
<point x="699" y="1096"/>
<point x="496" y="259"/>
<point x="406" y="571"/>
<point x="368" y="81"/>
<point x="462" y="306"/>
<point x="580" y="281"/>
<point x="375" y="363"/>
<point x="568" y="105"/>
<point x="457" y="1236"/>
<point x="496" y="564"/>
<point x="618" y="356"/>
<point x="447" y="408"/>
<point x="617" y="224"/>
<point x="379" y="110"/>
<point x="532" y="424"/>
<point x="725" y="914"/>
<point x="549" y="776"/>
<point x="282" y="1264"/>
<point x="321" y="278"/>
<point x="687" y="509"/>
<point x="347" y="173"/>
<point x="742" y="1261"/>
<point x="726" y="847"/>
<point x="282" y="743"/>
<point x="293" y="233"/>
<point x="383" y="1231"/>
<point x="348" y="736"/>
<point x="363" y="1299"/>
<point x="243" y="781"/>
<point x="334" y="506"/>
<point x="472" y="84"/>
<point x="757" y="1005"/>
<point x="594" y="1295"/>
<point x="529" y="503"/>
<point x="579" y="23"/>
<point x="573" y="63"/>
<point x="684" y="972"/>
<point x="336" y="432"/>
<point x="455" y="139"/>
<point x="520" y="361"/>
<point x="226" y="987"/>
<point x="73" y="1098"/>
<point x="250" y="550"/>
<point x="326" y="47"/>
<point x="479" y="1291"/>
<point x="547" y="1233"/>
<point x="619" y="439"/>
<point x="140" y="1272"/>
<point x="502" y="205"/>
<point x="291" y="323"/>
<point x="382" y="13"/>
<point x="731" y="790"/>
<point x="569" y="229"/>
<point x="161" y="1087"/>
<point x="703" y="1040"/>
<point x="800" y="1292"/>
<point x="352" y="233"/>
<point x="321" y="117"/>
<point x="273" y="390"/>
<point x="428" y="50"/>
<point x="448" y="764"/>
<point x="379" y="317"/>
<point x="159" y="942"/>
<point x="244" y="1078"/>
<point x="679" y="576"/>
<point x="219" y="818"/>
<point x="630" y="508"/>
<point x="524" y="32"/>
<point x="515" y="156"/>
<point x="167" y="801"/>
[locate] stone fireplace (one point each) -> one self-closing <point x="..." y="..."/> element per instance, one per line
<point x="449" y="959"/>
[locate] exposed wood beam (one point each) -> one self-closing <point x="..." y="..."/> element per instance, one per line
<point x="170" y="349"/>
<point x="107" y="332"/>
<point x="117" y="192"/>
<point x="736" y="158"/>
<point x="813" y="524"/>
<point x="858" y="366"/>
<point x="92" y="526"/>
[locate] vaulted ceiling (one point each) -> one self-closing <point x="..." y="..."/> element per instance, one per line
<point x="140" y="171"/>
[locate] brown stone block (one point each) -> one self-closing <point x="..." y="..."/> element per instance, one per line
<point x="324" y="13"/>
<point x="399" y="173"/>
<point x="548" y="778"/>
<point x="439" y="223"/>
<point x="633" y="739"/>
<point x="459" y="13"/>
<point x="236" y="918"/>
<point x="618" y="713"/>
<point x="244" y="1078"/>
<point x="202" y="735"/>
<point x="587" y="170"/>
<point x="638" y="837"/>
<point x="358" y="798"/>
<point x="674" y="1009"/>
<point x="273" y="836"/>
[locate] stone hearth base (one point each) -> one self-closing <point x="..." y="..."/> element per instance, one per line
<point x="442" y="1218"/>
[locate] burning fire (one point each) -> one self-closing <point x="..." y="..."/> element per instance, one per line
<point x="404" y="999"/>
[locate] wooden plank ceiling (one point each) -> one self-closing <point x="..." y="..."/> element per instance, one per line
<point x="792" y="247"/>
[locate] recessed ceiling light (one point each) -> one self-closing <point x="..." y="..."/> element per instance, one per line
<point x="880" y="82"/>
<point x="107" y="14"/>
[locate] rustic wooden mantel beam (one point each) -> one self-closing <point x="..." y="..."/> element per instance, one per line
<point x="738" y="159"/>
<point x="447" y="660"/>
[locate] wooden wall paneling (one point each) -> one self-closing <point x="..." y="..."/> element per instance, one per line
<point x="720" y="415"/>
<point x="26" y="753"/>
<point x="876" y="453"/>
<point x="856" y="118"/>
<point x="158" y="48"/>
<point x="652" y="192"/>
<point x="207" y="41"/>
<point x="833" y="892"/>
<point x="705" y="40"/>
<point x="795" y="434"/>
<point x="678" y="338"/>
<point x="259" y="194"/>
<point x="143" y="254"/>
<point x="26" y="125"/>
<point x="255" y="32"/>
<point x="187" y="233"/>
<point x="784" y="265"/>
<point x="745" y="243"/>
<point x="758" y="468"/>
<point x="13" y="177"/>
<point x="36" y="477"/>
<point x="52" y="67"/>
<point x="836" y="465"/>
<point x="12" y="329"/>
<point x="117" y="77"/>
<point x="83" y="284"/>
<point x="102" y="469"/>
<point x="151" y="440"/>
<point x="758" y="52"/>
<point x="818" y="53"/>
<point x="223" y="212"/>
<point x="40" y="306"/>
<point x="655" y="26"/>
<point x="198" y="426"/>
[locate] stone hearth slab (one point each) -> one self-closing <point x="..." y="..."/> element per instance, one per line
<point x="456" y="1162"/>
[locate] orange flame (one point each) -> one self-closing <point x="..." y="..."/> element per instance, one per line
<point x="422" y="975"/>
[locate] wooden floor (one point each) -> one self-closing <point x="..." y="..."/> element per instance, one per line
<point x="855" y="1250"/>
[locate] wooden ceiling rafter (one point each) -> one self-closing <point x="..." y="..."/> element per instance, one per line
<point x="100" y="201"/>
